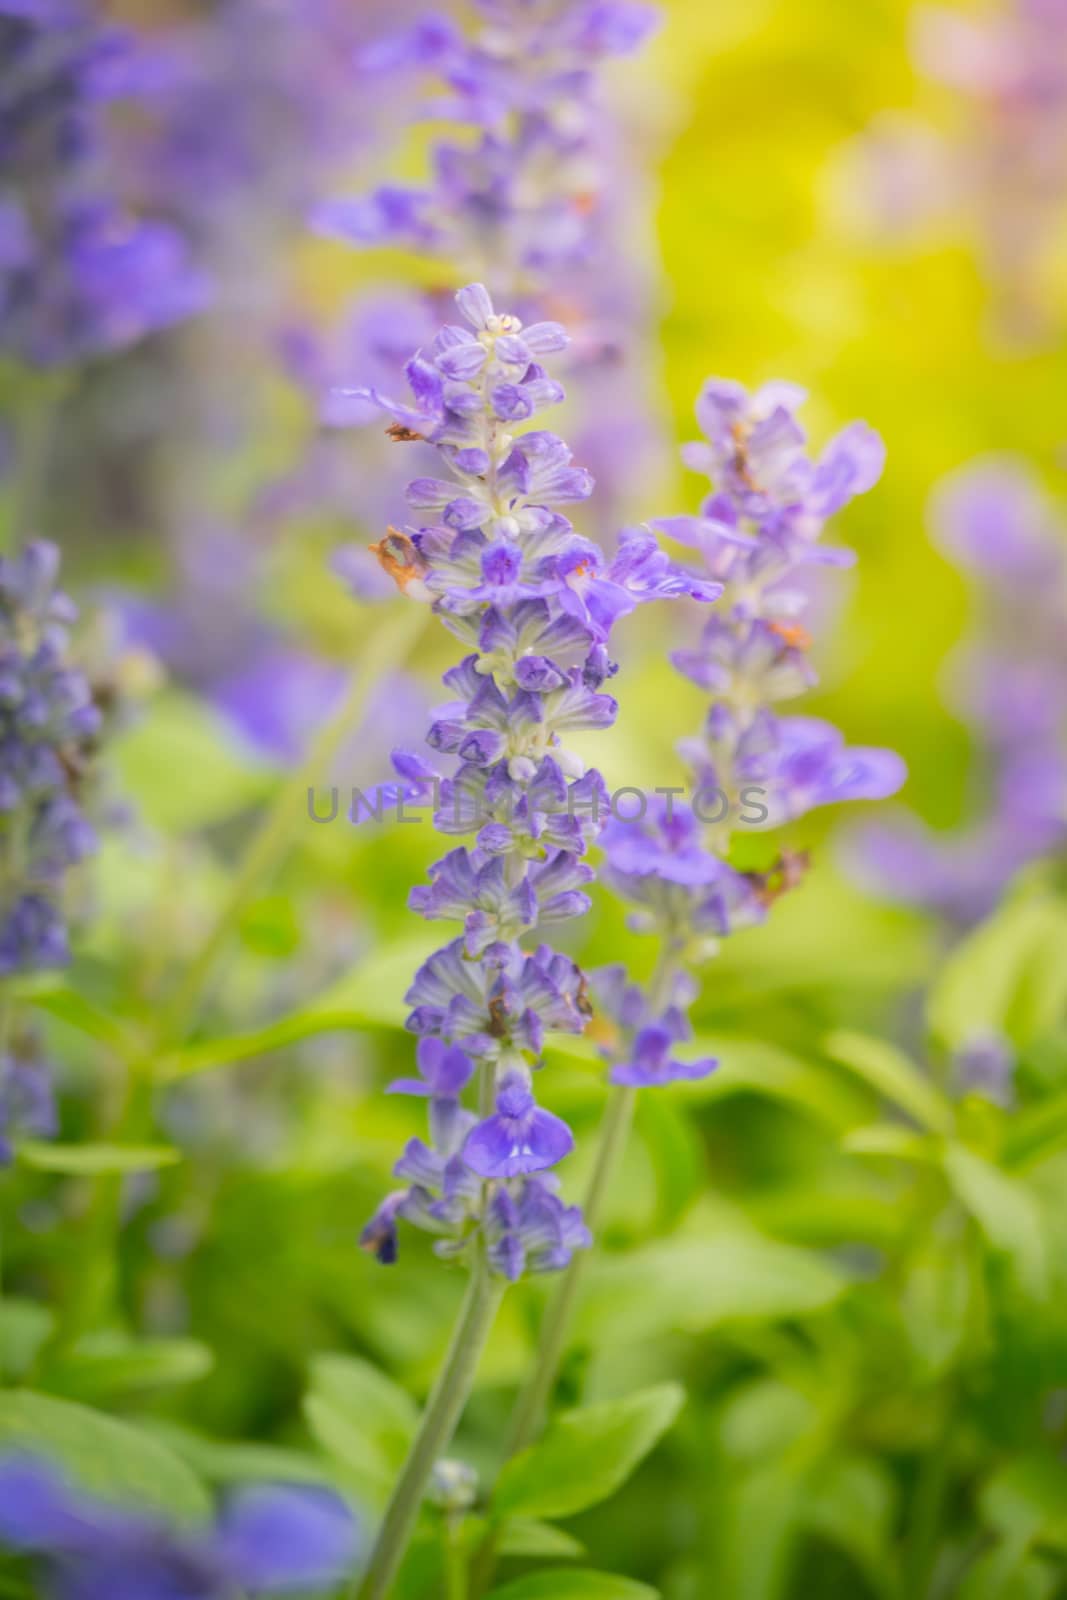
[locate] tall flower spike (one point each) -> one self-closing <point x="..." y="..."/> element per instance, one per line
<point x="757" y="532"/>
<point x="533" y="604"/>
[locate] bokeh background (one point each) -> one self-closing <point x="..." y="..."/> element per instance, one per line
<point x="875" y="1357"/>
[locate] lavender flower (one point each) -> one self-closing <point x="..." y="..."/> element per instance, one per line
<point x="267" y="1541"/>
<point x="751" y="764"/>
<point x="527" y="83"/>
<point x="533" y="603"/>
<point x="80" y="273"/>
<point x="1008" y="683"/>
<point x="27" y="1104"/>
<point x="1004" y="167"/>
<point x="47" y="719"/>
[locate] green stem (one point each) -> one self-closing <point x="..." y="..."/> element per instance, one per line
<point x="439" y="1421"/>
<point x="385" y="650"/>
<point x="526" y="1419"/>
<point x="555" y="1329"/>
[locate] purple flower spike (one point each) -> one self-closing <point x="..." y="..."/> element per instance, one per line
<point x="520" y="1138"/>
<point x="532" y="603"/>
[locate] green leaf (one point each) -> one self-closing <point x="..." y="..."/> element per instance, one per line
<point x="586" y="1455"/>
<point x="24" y="1327"/>
<point x="106" y="1457"/>
<point x="107" y="1365"/>
<point x="692" y="1284"/>
<point x="578" y="1585"/>
<point x="96" y="1160"/>
<point x="223" y="1462"/>
<point x="889" y="1139"/>
<point x="520" y="1536"/>
<point x="183" y="766"/>
<point x="1037" y="1132"/>
<point x="372" y="996"/>
<point x="893" y="1076"/>
<point x="1027" y="1500"/>
<point x="1005" y="1211"/>
<point x="851" y="1503"/>
<point x="757" y="1066"/>
<point x="1009" y="976"/>
<point x="362" y="1419"/>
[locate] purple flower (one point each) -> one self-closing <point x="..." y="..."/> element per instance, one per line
<point x="27" y="1104"/>
<point x="443" y="1072"/>
<point x="651" y="1063"/>
<point x="985" y="1065"/>
<point x="519" y="1138"/>
<point x="267" y="1541"/>
<point x="47" y="725"/>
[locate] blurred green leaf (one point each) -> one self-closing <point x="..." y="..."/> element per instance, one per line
<point x="105" y="1457"/>
<point x="939" y="1292"/>
<point x="107" y="1365"/>
<point x="889" y="1139"/>
<point x="362" y="1419"/>
<point x="1027" y="1500"/>
<point x="24" y="1327"/>
<point x="585" y="1455"/>
<point x="1037" y="1132"/>
<point x="1009" y="976"/>
<point x="224" y="1462"/>
<point x="522" y="1536"/>
<point x="763" y="1418"/>
<point x="95" y="1160"/>
<point x="699" y="1283"/>
<point x="893" y="1076"/>
<point x="574" y="1586"/>
<point x="851" y="1503"/>
<point x="183" y="766"/>
<point x="1005" y="1211"/>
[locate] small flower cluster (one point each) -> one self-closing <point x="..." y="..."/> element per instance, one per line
<point x="1008" y="161"/>
<point x="757" y="533"/>
<point x="523" y="193"/>
<point x="47" y="720"/>
<point x="267" y="1541"/>
<point x="79" y="273"/>
<point x="1009" y="685"/>
<point x="533" y="603"/>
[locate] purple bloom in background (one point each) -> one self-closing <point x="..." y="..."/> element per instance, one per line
<point x="1003" y="166"/>
<point x="81" y="272"/>
<point x="47" y="724"/>
<point x="27" y="1105"/>
<point x="1008" y="682"/>
<point x="532" y="603"/>
<point x="267" y="1541"/>
<point x="985" y="1065"/>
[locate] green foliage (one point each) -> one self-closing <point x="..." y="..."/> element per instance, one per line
<point x="586" y="1455"/>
